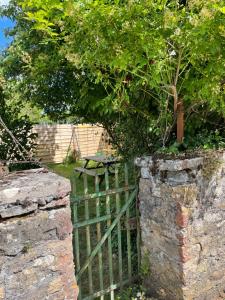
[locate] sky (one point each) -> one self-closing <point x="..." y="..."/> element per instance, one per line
<point x="4" y="2"/>
<point x="4" y="24"/>
<point x="4" y="41"/>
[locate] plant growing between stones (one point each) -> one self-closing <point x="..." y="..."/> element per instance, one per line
<point x="212" y="162"/>
<point x="27" y="247"/>
<point x="145" y="264"/>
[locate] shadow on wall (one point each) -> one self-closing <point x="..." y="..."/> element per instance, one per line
<point x="47" y="144"/>
<point x="57" y="142"/>
<point x="105" y="144"/>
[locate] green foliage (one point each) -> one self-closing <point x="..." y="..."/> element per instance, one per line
<point x="124" y="63"/>
<point x="208" y="140"/>
<point x="71" y="157"/>
<point x="66" y="170"/>
<point x="20" y="127"/>
<point x="27" y="247"/>
<point x="136" y="292"/>
<point x="145" y="266"/>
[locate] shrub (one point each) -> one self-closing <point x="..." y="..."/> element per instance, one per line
<point x="144" y="70"/>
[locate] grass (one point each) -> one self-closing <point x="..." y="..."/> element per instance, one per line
<point x="65" y="170"/>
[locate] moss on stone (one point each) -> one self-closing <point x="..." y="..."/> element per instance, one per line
<point x="211" y="165"/>
<point x="145" y="263"/>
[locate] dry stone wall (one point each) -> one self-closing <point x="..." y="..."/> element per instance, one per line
<point x="182" y="205"/>
<point x="36" y="257"/>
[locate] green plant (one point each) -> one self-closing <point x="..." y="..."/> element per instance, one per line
<point x="71" y="157"/>
<point x="27" y="247"/>
<point x="137" y="292"/>
<point x="16" y="138"/>
<point x="145" y="264"/>
<point x="21" y="129"/>
<point x="144" y="64"/>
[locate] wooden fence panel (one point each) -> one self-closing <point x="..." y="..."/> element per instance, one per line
<point x="54" y="142"/>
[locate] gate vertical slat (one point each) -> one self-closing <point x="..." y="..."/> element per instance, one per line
<point x="128" y="223"/>
<point x="77" y="246"/>
<point x="76" y="241"/>
<point x="88" y="236"/>
<point x="119" y="228"/>
<point x="99" y="236"/>
<point x="108" y="212"/>
<point x="138" y="240"/>
<point x="76" y="231"/>
<point x="103" y="277"/>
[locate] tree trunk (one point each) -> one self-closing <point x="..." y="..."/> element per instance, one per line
<point x="180" y="121"/>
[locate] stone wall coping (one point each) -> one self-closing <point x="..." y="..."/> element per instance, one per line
<point x="169" y="164"/>
<point x="23" y="192"/>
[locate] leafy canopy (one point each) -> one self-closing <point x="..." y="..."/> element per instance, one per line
<point x="128" y="63"/>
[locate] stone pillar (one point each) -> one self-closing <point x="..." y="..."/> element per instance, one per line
<point x="36" y="257"/>
<point x="182" y="206"/>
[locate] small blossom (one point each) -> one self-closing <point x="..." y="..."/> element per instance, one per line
<point x="177" y="31"/>
<point x="173" y="53"/>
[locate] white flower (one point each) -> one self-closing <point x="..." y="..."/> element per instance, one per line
<point x="177" y="31"/>
<point x="173" y="53"/>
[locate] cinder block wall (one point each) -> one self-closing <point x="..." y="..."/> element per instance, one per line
<point x="36" y="256"/>
<point x="182" y="206"/>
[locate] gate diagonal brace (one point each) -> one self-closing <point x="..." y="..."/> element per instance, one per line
<point x="106" y="235"/>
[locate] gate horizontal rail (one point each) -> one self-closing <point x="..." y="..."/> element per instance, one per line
<point x="106" y="234"/>
<point x="102" y="194"/>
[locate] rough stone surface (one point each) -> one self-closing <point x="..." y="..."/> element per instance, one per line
<point x="36" y="257"/>
<point x="182" y="207"/>
<point x="3" y="172"/>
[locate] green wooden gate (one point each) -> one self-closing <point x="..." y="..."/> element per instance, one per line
<point x="106" y="233"/>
